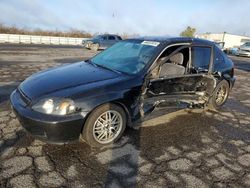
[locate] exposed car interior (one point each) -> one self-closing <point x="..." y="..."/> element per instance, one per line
<point x="180" y="71"/>
<point x="180" y="60"/>
<point x="174" y="66"/>
<point x="172" y="62"/>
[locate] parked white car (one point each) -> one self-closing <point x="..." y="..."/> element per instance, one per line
<point x="244" y="50"/>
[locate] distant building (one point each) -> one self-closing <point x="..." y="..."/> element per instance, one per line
<point x="231" y="41"/>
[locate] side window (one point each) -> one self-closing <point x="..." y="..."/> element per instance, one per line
<point x="111" y="38"/>
<point x="201" y="57"/>
<point x="119" y="38"/>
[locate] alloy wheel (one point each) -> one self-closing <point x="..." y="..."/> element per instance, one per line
<point x="107" y="127"/>
<point x="221" y="95"/>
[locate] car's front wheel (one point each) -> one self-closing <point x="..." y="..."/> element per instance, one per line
<point x="95" y="47"/>
<point x="220" y="95"/>
<point x="104" y="125"/>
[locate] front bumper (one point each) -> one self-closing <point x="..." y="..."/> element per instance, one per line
<point x="48" y="128"/>
<point x="86" y="44"/>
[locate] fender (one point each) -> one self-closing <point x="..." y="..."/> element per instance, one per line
<point x="126" y="99"/>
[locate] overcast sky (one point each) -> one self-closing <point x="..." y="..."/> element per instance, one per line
<point x="144" y="17"/>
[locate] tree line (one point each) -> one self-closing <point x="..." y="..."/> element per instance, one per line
<point x="188" y="32"/>
<point x="71" y="33"/>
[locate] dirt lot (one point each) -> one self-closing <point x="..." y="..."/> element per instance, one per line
<point x="183" y="149"/>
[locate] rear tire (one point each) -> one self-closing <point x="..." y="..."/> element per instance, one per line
<point x="105" y="125"/>
<point x="220" y="95"/>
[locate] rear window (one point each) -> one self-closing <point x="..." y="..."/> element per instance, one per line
<point x="201" y="57"/>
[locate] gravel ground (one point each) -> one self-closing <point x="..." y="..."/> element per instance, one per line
<point x="183" y="149"/>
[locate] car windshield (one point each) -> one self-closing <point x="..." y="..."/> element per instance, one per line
<point x="127" y="56"/>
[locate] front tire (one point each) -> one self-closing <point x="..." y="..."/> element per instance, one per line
<point x="105" y="125"/>
<point x="220" y="95"/>
<point x="95" y="47"/>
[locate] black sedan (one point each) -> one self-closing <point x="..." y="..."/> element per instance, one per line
<point x="134" y="79"/>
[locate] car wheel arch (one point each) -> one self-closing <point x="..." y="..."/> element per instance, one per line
<point x="229" y="82"/>
<point x="117" y="103"/>
<point x="90" y="121"/>
<point x="225" y="77"/>
<point x="217" y="81"/>
<point x="123" y="106"/>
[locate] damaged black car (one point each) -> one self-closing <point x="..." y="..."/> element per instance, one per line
<point x="128" y="82"/>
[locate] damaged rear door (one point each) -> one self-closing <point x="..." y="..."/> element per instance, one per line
<point x="180" y="91"/>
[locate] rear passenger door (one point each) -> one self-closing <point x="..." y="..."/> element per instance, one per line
<point x="104" y="42"/>
<point x="111" y="40"/>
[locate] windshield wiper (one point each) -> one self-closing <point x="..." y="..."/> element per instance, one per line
<point x="90" y="62"/>
<point x="104" y="67"/>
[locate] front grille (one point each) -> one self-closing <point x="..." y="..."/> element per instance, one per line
<point x="24" y="98"/>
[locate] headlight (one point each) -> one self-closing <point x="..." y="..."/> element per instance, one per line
<point x="55" y="106"/>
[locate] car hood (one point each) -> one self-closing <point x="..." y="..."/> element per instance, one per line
<point x="64" y="77"/>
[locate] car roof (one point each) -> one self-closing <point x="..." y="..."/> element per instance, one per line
<point x="109" y="35"/>
<point x="166" y="39"/>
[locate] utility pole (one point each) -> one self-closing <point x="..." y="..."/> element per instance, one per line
<point x="223" y="37"/>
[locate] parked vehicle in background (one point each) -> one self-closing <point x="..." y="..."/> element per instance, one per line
<point x="234" y="51"/>
<point x="101" y="41"/>
<point x="231" y="51"/>
<point x="132" y="80"/>
<point x="245" y="49"/>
